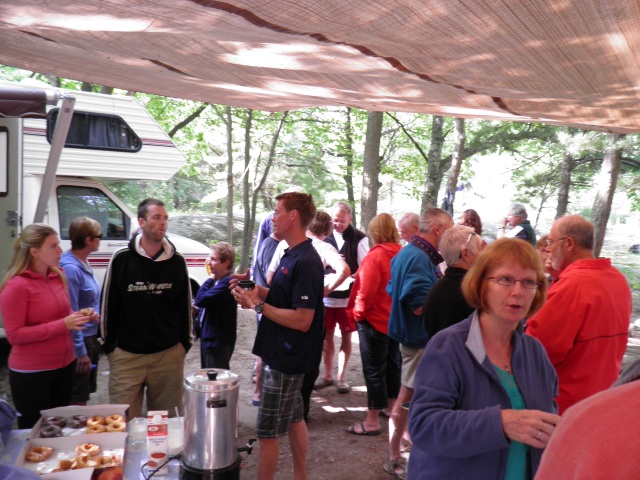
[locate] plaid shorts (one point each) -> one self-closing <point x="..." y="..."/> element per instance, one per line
<point x="280" y="403"/>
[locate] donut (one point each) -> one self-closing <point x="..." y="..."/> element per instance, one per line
<point x="90" y="449"/>
<point x="96" y="429"/>
<point x="77" y="421"/>
<point x="116" y="427"/>
<point x="38" y="454"/>
<point x="64" y="465"/>
<point x="50" y="431"/>
<point x="86" y="311"/>
<point x="95" y="420"/>
<point x="79" y="462"/>
<point x="110" y="460"/>
<point x="57" y="421"/>
<point x="114" y="418"/>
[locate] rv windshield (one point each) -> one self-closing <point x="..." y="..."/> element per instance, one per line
<point x="91" y="202"/>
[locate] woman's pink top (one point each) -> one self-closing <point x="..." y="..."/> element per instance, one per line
<point x="33" y="311"/>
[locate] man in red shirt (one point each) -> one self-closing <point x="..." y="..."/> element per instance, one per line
<point x="584" y="323"/>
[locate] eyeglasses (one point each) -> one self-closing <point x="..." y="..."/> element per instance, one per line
<point x="97" y="236"/>
<point x="551" y="242"/>
<point x="507" y="281"/>
<point x="471" y="235"/>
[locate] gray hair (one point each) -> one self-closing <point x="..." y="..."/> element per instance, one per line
<point x="518" y="210"/>
<point x="581" y="230"/>
<point x="343" y="206"/>
<point x="431" y="217"/>
<point x="454" y="240"/>
<point x="409" y="219"/>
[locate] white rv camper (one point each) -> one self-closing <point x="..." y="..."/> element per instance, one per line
<point x="111" y="137"/>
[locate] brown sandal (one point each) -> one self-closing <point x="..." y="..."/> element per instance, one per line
<point x="397" y="468"/>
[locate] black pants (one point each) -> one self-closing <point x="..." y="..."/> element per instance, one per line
<point x="381" y="362"/>
<point x="216" y="357"/>
<point x="35" y="391"/>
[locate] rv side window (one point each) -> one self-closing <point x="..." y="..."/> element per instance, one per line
<point x="96" y="131"/>
<point x="91" y="202"/>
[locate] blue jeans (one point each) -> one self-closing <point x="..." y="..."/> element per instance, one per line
<point x="380" y="365"/>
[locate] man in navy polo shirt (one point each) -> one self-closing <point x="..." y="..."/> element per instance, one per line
<point x="290" y="334"/>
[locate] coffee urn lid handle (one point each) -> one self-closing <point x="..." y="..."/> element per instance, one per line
<point x="212" y="374"/>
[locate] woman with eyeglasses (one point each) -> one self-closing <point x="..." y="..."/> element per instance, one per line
<point x="37" y="317"/>
<point x="84" y="291"/>
<point x="483" y="405"/>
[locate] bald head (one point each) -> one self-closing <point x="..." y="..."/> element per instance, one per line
<point x="581" y="230"/>
<point x="571" y="238"/>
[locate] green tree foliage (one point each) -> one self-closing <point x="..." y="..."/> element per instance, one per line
<point x="320" y="150"/>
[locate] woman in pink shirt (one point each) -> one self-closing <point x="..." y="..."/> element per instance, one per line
<point x="38" y="321"/>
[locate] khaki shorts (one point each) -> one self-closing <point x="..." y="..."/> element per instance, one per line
<point x="161" y="374"/>
<point x="410" y="360"/>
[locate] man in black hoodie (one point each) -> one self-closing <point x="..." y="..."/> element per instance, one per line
<point x="146" y="324"/>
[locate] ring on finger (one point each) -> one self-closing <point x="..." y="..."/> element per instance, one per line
<point x="538" y="435"/>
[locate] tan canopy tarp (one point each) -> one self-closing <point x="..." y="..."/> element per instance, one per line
<point x="569" y="62"/>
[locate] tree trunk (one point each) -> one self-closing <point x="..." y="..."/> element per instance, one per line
<point x="568" y="165"/>
<point x="229" y="175"/>
<point x="247" y="234"/>
<point x="371" y="169"/>
<point x="456" y="164"/>
<point x="435" y="170"/>
<point x="348" y="156"/>
<point x="606" y="183"/>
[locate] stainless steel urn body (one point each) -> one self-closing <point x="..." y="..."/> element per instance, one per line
<point x="210" y="419"/>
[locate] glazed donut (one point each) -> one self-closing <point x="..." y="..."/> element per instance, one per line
<point x="95" y="420"/>
<point x="57" y="421"/>
<point x="50" y="431"/>
<point x="64" y="465"/>
<point x="77" y="421"/>
<point x="86" y="311"/>
<point x="90" y="449"/>
<point x="79" y="462"/>
<point x="38" y="454"/>
<point x="96" y="429"/>
<point x="116" y="427"/>
<point x="114" y="418"/>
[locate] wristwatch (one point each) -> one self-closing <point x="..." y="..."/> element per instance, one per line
<point x="258" y="307"/>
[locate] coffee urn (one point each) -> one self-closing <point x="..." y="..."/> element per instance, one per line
<point x="211" y="426"/>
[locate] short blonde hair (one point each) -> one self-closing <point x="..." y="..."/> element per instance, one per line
<point x="80" y="228"/>
<point x="506" y="251"/>
<point x="382" y="229"/>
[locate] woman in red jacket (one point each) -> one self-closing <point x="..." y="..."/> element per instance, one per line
<point x="37" y="317"/>
<point x="371" y="305"/>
